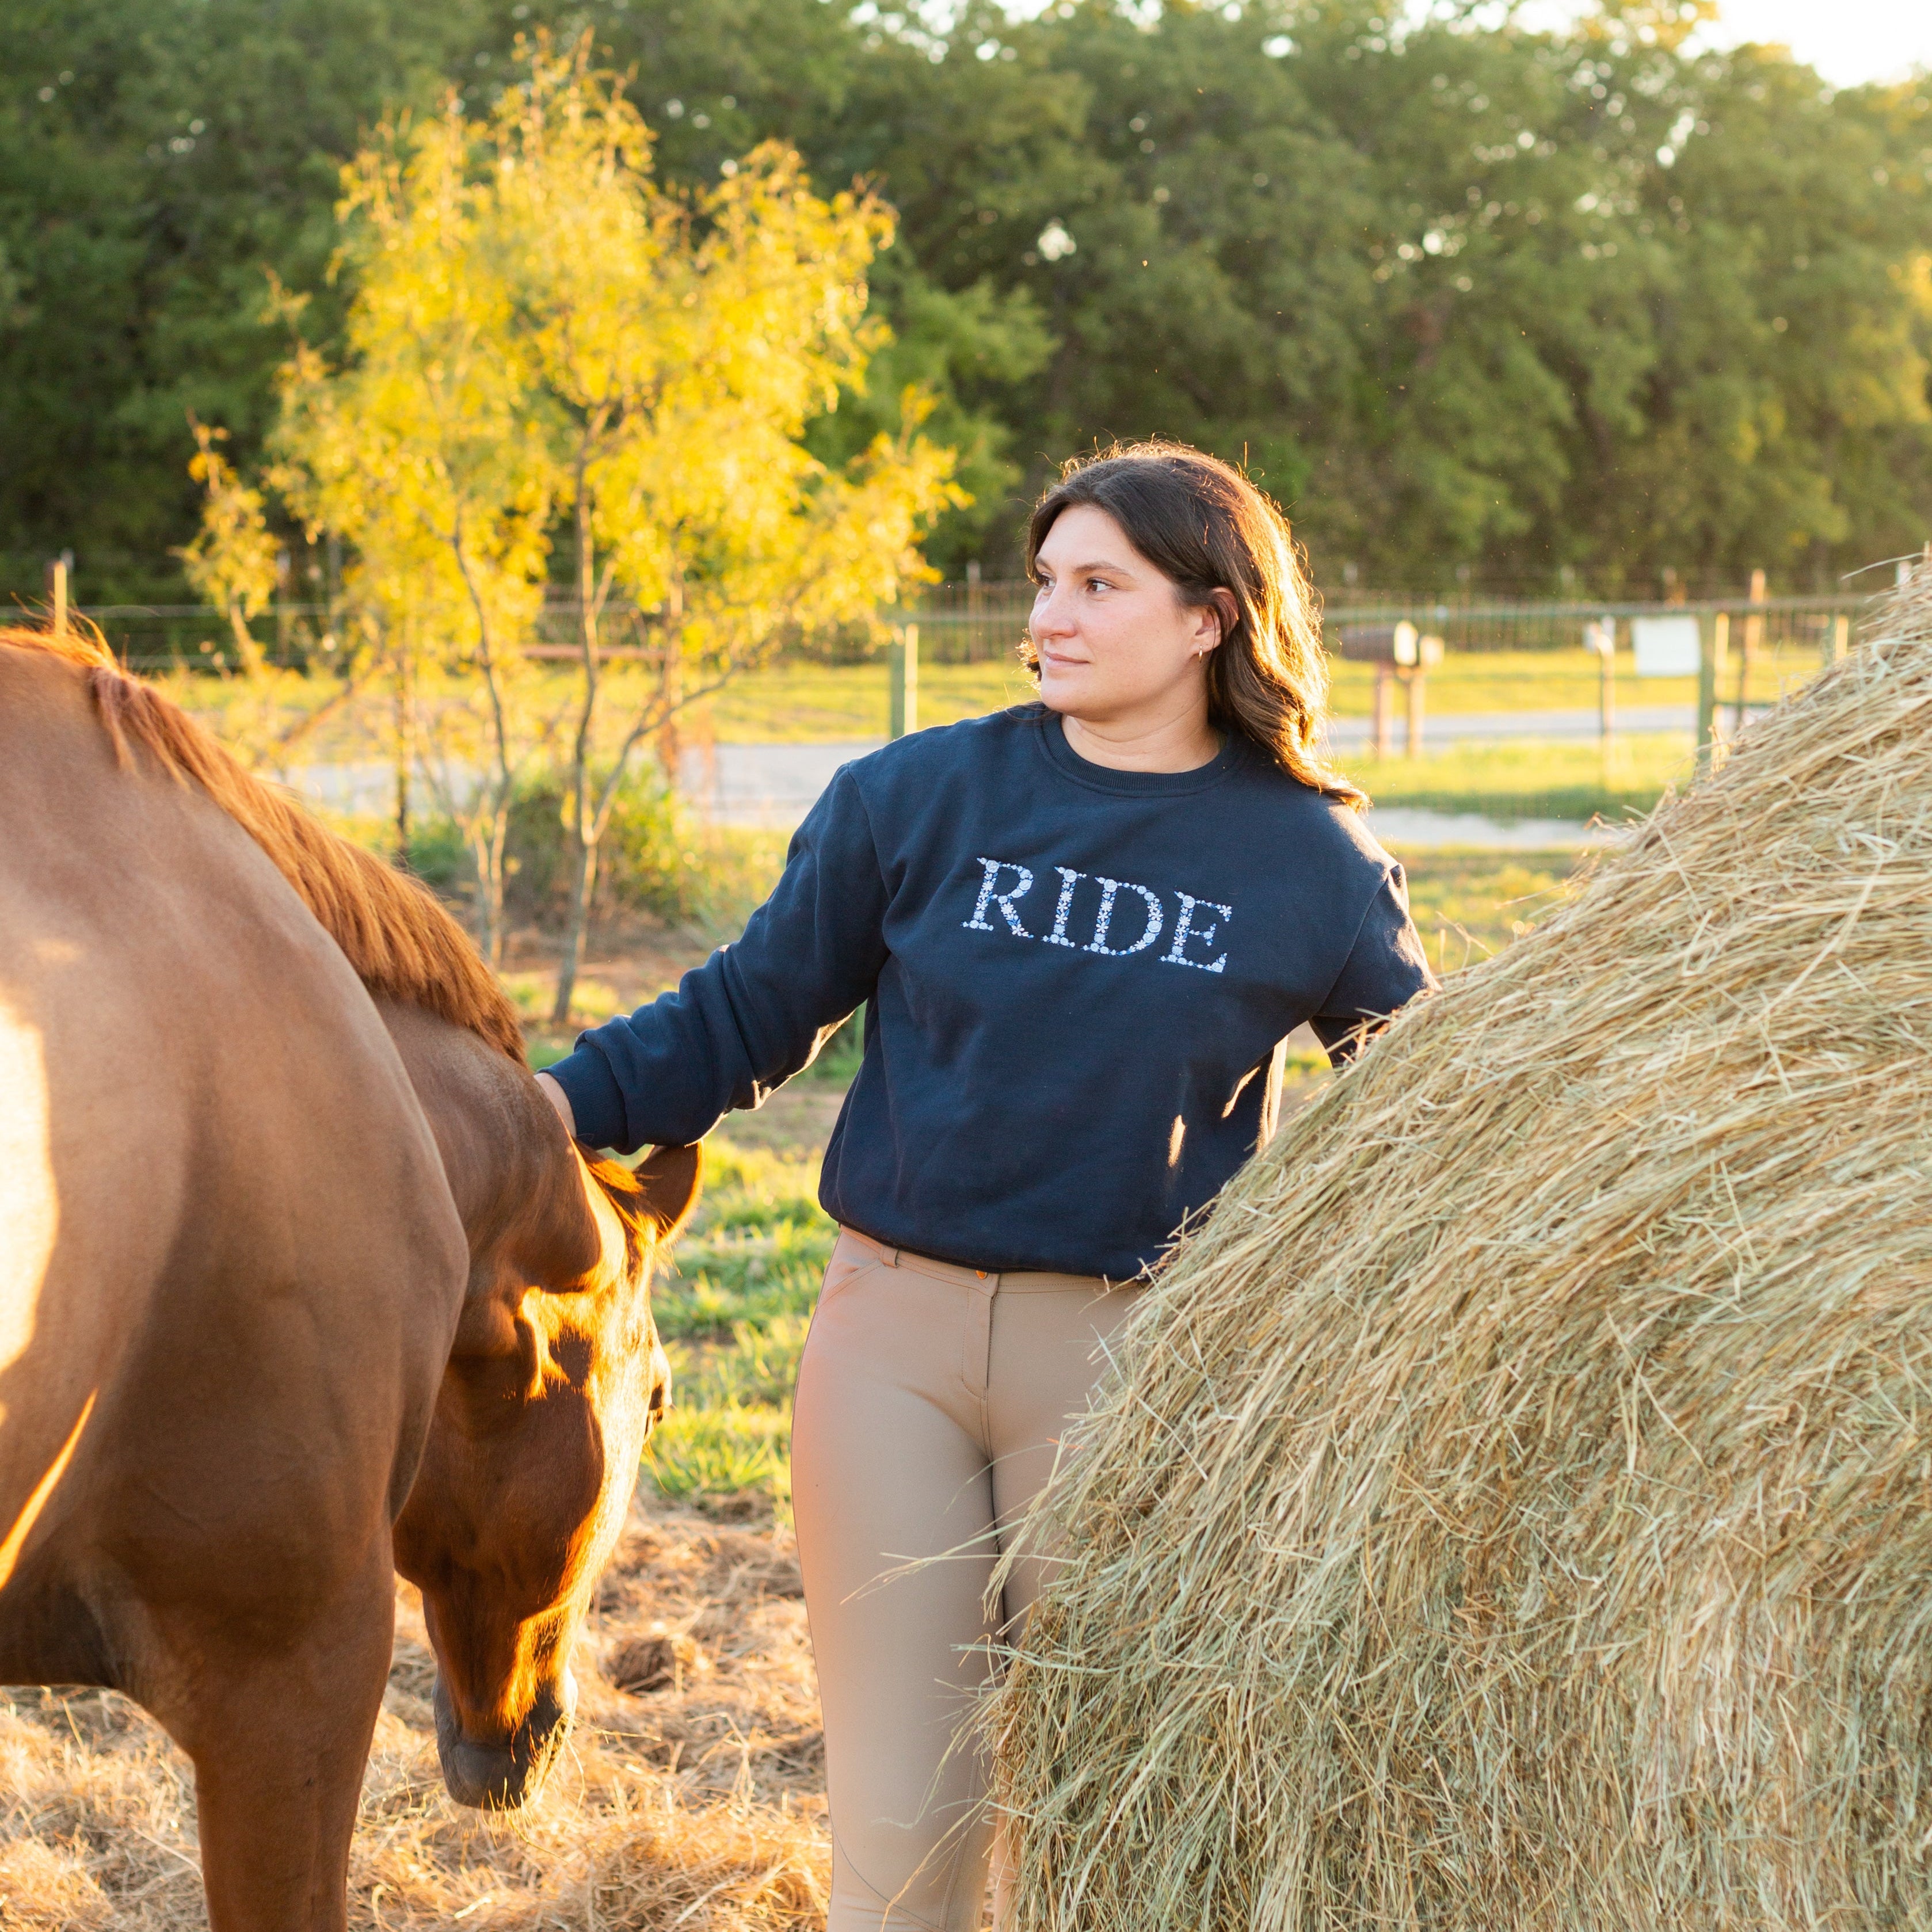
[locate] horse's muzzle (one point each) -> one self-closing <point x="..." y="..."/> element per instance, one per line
<point x="500" y="1777"/>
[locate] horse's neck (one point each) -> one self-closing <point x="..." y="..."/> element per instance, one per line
<point x="512" y="1169"/>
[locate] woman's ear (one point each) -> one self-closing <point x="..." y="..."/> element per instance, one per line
<point x="1219" y="616"/>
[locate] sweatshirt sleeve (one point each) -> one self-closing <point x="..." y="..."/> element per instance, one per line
<point x="755" y="1013"/>
<point x="1385" y="969"/>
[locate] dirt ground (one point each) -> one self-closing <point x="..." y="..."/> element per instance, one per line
<point x="690" y="1796"/>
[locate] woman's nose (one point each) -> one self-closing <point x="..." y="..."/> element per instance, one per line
<point x="1052" y="616"/>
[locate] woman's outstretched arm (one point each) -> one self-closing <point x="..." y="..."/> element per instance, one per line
<point x="755" y="1012"/>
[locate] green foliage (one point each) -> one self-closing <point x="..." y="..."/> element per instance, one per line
<point x="1469" y="297"/>
<point x="658" y="859"/>
<point x="157" y="158"/>
<point x="644" y="865"/>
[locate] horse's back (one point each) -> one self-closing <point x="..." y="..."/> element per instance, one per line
<point x="229" y="1264"/>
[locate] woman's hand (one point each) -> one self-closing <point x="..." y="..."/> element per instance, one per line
<point x="560" y="1100"/>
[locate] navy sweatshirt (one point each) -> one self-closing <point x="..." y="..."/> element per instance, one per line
<point x="1075" y="982"/>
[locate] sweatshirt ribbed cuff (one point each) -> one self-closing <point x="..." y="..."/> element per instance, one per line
<point x="596" y="1101"/>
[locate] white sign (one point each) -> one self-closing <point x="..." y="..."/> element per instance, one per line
<point x="1666" y="646"/>
<point x="1405" y="643"/>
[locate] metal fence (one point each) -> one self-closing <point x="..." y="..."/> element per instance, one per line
<point x="965" y="623"/>
<point x="962" y="623"/>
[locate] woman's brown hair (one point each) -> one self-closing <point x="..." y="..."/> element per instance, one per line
<point x="1201" y="522"/>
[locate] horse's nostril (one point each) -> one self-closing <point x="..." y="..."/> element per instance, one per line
<point x="502" y="1776"/>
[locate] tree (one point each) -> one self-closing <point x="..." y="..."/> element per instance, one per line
<point x="539" y="334"/>
<point x="157" y="158"/>
<point x="420" y="451"/>
<point x="1473" y="299"/>
<point x="675" y="347"/>
<point x="232" y="560"/>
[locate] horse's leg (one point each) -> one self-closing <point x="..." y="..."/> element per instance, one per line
<point x="280" y="1740"/>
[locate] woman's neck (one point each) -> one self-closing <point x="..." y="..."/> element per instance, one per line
<point x="1177" y="744"/>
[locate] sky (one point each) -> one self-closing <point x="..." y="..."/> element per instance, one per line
<point x="1848" y="41"/>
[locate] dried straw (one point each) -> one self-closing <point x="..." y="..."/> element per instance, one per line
<point x="695" y="1808"/>
<point x="1513" y="1512"/>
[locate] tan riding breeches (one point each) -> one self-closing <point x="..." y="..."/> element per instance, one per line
<point x="931" y="1401"/>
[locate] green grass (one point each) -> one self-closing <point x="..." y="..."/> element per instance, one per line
<point x="1533" y="778"/>
<point x="1468" y="904"/>
<point x="733" y="1315"/>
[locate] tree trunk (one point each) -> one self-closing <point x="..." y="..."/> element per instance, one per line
<point x="583" y="827"/>
<point x="583" y="883"/>
<point x="406" y="755"/>
<point x="489" y="851"/>
<point x="488" y="835"/>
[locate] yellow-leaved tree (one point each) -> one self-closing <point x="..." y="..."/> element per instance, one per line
<point x="543" y="343"/>
<point x="678" y="345"/>
<point x="420" y="452"/>
<point x="232" y="561"/>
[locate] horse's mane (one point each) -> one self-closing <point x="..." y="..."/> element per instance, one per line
<point x="401" y="941"/>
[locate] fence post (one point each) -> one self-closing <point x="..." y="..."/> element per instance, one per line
<point x="903" y="657"/>
<point x="1415" y="680"/>
<point x="1385" y="707"/>
<point x="1715" y="639"/>
<point x="1837" y="640"/>
<point x="1747" y="657"/>
<point x="57" y="592"/>
<point x="1600" y="635"/>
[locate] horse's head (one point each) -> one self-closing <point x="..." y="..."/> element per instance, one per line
<point x="553" y="1384"/>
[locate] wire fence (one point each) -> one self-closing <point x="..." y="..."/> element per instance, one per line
<point x="969" y="623"/>
<point x="964" y="623"/>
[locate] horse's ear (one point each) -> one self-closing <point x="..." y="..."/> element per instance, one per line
<point x="668" y="1180"/>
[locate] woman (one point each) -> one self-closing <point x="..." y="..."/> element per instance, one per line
<point x="1080" y="929"/>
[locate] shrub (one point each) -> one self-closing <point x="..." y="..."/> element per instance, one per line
<point x="655" y="857"/>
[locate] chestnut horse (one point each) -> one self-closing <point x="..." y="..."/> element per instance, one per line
<point x="300" y="1278"/>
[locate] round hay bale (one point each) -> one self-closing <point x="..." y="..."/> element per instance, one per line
<point x="1512" y="1512"/>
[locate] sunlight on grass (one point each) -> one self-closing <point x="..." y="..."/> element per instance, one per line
<point x="1468" y="904"/>
<point x="733" y="1454"/>
<point x="1533" y="778"/>
<point x="795" y="702"/>
<point x="733" y="1315"/>
<point x="531" y="994"/>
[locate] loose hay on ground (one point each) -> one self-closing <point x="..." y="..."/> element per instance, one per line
<point x="697" y="1804"/>
<point x="1512" y="1515"/>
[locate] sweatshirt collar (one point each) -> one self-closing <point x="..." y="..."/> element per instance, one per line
<point x="1069" y="762"/>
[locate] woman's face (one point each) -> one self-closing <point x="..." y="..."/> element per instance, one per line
<point x="1115" y="643"/>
